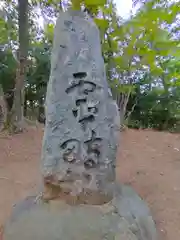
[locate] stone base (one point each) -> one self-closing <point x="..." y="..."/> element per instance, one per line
<point x="126" y="217"/>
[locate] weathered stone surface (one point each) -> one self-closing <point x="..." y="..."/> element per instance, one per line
<point x="79" y="151"/>
<point x="82" y="120"/>
<point x="126" y="217"/>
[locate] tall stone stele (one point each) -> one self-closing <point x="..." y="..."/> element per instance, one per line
<point x="82" y="120"/>
<point x="80" y="199"/>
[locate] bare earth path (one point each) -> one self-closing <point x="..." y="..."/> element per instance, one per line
<point x="148" y="160"/>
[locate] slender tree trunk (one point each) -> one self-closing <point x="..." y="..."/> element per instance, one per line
<point x="123" y="106"/>
<point x="3" y="109"/>
<point x="8" y="98"/>
<point x="25" y="104"/>
<point x="17" y="116"/>
<point x="41" y="113"/>
<point x="166" y="103"/>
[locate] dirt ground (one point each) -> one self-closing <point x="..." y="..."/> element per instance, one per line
<point x="148" y="160"/>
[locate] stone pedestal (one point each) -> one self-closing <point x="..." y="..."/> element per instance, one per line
<point x="125" y="217"/>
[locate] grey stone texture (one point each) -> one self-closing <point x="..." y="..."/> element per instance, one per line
<point x="126" y="217"/>
<point x="82" y="120"/>
<point x="79" y="150"/>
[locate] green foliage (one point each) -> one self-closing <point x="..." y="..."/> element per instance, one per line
<point x="95" y="2"/>
<point x="101" y="23"/>
<point x="158" y="107"/>
<point x="4" y="32"/>
<point x="49" y="31"/>
<point x="7" y="70"/>
<point x="142" y="57"/>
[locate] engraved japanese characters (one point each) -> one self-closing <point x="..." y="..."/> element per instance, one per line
<point x="82" y="122"/>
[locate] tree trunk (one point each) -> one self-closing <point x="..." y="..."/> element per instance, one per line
<point x="25" y="104"/>
<point x="17" y="115"/>
<point x="166" y="103"/>
<point x="123" y="107"/>
<point x="41" y="113"/>
<point x="3" y="109"/>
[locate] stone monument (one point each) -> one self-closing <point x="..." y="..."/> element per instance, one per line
<point x="81" y="199"/>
